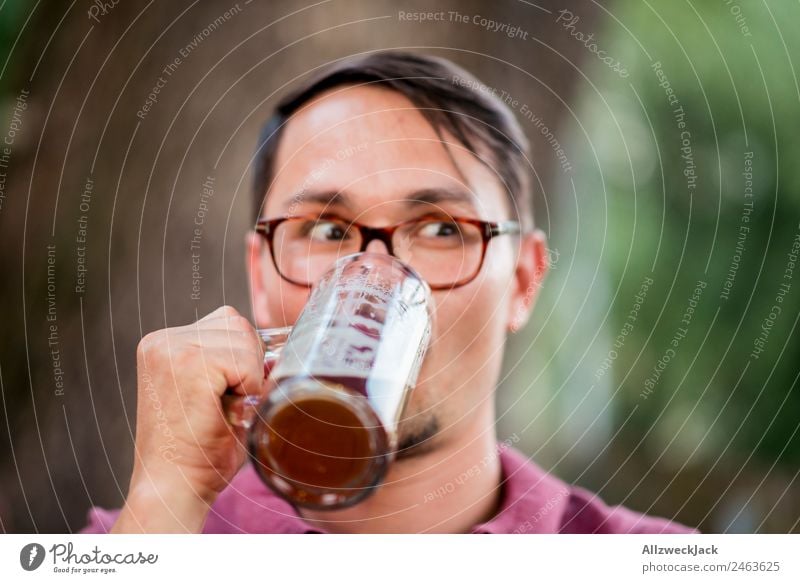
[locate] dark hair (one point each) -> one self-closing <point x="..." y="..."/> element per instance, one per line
<point x="450" y="98"/>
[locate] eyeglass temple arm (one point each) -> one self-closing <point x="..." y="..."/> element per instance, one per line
<point x="504" y="228"/>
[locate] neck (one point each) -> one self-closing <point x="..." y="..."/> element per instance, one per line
<point x="448" y="489"/>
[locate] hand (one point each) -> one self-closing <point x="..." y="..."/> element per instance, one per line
<point x="186" y="452"/>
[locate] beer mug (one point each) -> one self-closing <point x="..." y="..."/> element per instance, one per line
<point x="341" y="378"/>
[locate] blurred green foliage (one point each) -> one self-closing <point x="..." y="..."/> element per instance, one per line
<point x="642" y="393"/>
<point x="736" y="81"/>
<point x="13" y="15"/>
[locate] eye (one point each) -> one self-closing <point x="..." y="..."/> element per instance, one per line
<point x="325" y="231"/>
<point x="439" y="230"/>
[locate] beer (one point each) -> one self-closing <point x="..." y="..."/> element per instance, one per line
<point x="321" y="447"/>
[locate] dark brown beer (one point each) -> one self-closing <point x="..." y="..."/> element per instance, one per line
<point x="320" y="447"/>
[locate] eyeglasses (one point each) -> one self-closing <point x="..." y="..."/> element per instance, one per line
<point x="446" y="252"/>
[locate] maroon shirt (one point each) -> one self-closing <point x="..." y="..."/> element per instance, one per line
<point x="533" y="501"/>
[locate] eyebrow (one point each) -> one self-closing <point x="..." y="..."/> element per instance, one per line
<point x="437" y="195"/>
<point x="424" y="195"/>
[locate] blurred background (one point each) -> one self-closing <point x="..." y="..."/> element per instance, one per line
<point x="660" y="369"/>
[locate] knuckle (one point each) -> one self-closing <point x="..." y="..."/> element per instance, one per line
<point x="239" y="322"/>
<point x="149" y="342"/>
<point x="228" y="311"/>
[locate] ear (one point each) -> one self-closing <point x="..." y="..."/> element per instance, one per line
<point x="532" y="267"/>
<point x="255" y="247"/>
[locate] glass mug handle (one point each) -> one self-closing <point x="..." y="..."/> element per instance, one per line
<point x="240" y="410"/>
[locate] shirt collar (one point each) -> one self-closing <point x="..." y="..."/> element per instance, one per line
<point x="531" y="501"/>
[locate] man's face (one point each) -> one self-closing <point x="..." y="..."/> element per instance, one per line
<point x="372" y="147"/>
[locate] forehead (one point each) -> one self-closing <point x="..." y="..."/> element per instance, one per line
<point x="373" y="144"/>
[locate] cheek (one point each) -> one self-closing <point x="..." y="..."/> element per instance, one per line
<point x="286" y="302"/>
<point x="470" y="328"/>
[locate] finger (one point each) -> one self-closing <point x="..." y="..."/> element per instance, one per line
<point x="233" y="321"/>
<point x="226" y="338"/>
<point x="219" y="313"/>
<point x="240" y="370"/>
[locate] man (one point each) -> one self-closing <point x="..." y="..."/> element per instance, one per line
<point x="374" y="140"/>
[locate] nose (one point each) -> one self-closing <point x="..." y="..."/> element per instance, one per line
<point x="377" y="246"/>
